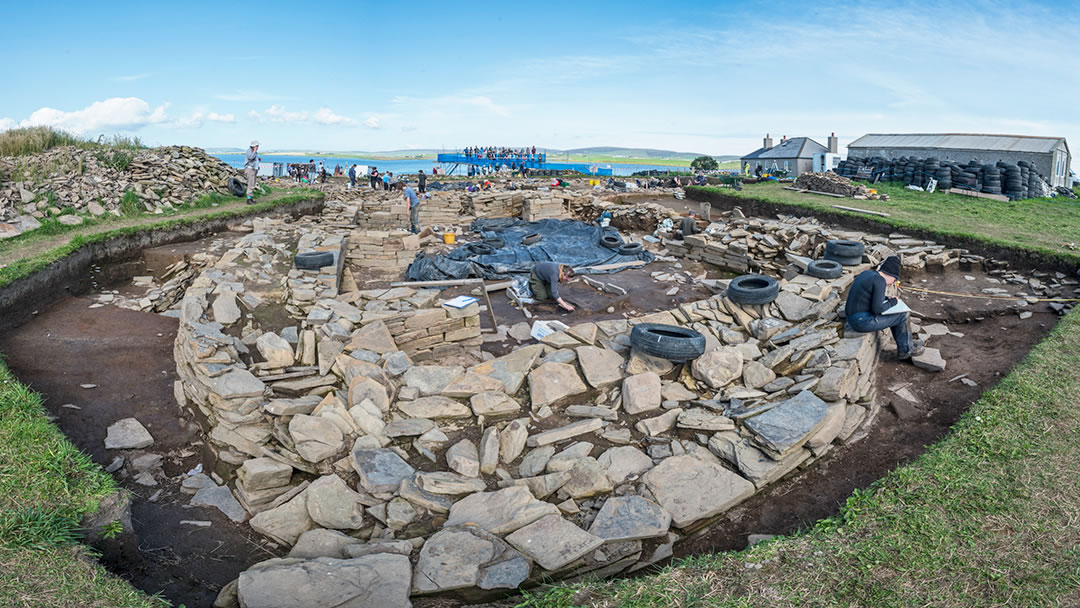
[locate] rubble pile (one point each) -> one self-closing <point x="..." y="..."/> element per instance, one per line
<point x="831" y="183"/>
<point x="365" y="438"/>
<point x="638" y="217"/>
<point x="494" y="204"/>
<point x="93" y="181"/>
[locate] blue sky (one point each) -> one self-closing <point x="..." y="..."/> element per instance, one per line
<point x="709" y="77"/>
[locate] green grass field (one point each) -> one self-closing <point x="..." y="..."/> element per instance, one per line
<point x="1050" y="226"/>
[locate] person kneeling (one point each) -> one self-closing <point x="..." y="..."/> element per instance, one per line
<point x="544" y="282"/>
<point x="867" y="301"/>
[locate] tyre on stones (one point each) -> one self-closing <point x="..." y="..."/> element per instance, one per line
<point x="630" y="249"/>
<point x="313" y="260"/>
<point x="753" y="289"/>
<point x="669" y="342"/>
<point x="481" y="248"/>
<point x="611" y="240"/>
<point x="843" y="261"/>
<point x="236" y="187"/>
<point x="825" y="269"/>
<point x="845" y="249"/>
<point x="530" y="239"/>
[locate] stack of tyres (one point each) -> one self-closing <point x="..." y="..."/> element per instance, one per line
<point x="846" y="253"/>
<point x="930" y="170"/>
<point x="991" y="179"/>
<point x="944" y="178"/>
<point x="1013" y="182"/>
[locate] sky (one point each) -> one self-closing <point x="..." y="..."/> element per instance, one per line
<point x="708" y="77"/>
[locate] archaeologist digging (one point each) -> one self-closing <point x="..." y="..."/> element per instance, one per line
<point x="544" y="281"/>
<point x="413" y="203"/>
<point x="251" y="169"/>
<point x="688" y="226"/>
<point x="866" y="303"/>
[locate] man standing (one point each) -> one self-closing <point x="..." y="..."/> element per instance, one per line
<point x="251" y="169"/>
<point x="867" y="301"/>
<point x="544" y="282"/>
<point x="423" y="182"/>
<point x="352" y="176"/>
<point x="412" y="202"/>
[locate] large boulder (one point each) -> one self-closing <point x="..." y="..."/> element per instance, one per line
<point x="601" y="366"/>
<point x="316" y="438"/>
<point x="467" y="556"/>
<point x="695" y="486"/>
<point x="641" y="393"/>
<point x="552" y="382"/>
<point x="501" y="511"/>
<point x="331" y="504"/>
<point x="285" y="523"/>
<point x="719" y="367"/>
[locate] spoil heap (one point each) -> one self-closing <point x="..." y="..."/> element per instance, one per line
<point x="831" y="183"/>
<point x="95" y="180"/>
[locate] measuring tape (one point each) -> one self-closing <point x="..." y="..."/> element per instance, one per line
<point x="984" y="296"/>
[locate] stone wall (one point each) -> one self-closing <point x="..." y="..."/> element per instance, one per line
<point x="577" y="455"/>
<point x="382" y="251"/>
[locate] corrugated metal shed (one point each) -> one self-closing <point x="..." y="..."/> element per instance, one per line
<point x="959" y="141"/>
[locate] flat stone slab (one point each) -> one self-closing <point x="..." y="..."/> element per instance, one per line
<point x="492" y="403"/>
<point x="930" y="360"/>
<point x="790" y="423"/>
<point x="573" y="429"/>
<point x="369" y="580"/>
<point x="432" y="379"/>
<point x="501" y="511"/>
<point x="630" y="518"/>
<point x="381" y="470"/>
<point x="695" y="486"/>
<point x="553" y="382"/>
<point x="624" y="462"/>
<point x="221" y="498"/>
<point x="601" y="366"/>
<point x="553" y="542"/>
<point x="127" y="434"/>
<point x="467" y="556"/>
<point x="434" y="408"/>
<point x="510" y="369"/>
<point x="237" y="383"/>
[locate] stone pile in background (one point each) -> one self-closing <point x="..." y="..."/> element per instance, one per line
<point x="382" y="251"/>
<point x="550" y="205"/>
<point x="94" y="181"/>
<point x="831" y="183"/>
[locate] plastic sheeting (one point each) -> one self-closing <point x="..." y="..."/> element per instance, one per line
<point x="564" y="241"/>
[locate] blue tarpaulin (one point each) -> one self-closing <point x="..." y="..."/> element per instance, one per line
<point x="564" y="241"/>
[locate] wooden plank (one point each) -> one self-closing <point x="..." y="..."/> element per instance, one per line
<point x="995" y="197"/>
<point x="616" y="266"/>
<point x="861" y="210"/>
<point x="491" y="309"/>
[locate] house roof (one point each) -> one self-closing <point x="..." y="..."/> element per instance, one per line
<point x="796" y="147"/>
<point x="960" y="141"/>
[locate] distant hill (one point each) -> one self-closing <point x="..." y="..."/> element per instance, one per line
<point x="606" y="153"/>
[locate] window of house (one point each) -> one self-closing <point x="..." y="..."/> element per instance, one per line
<point x="785" y="165"/>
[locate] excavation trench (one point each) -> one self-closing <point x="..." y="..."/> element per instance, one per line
<point x="75" y="338"/>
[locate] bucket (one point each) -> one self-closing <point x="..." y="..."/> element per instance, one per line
<point x="448" y="238"/>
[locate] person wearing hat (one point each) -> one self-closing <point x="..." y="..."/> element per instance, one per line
<point x="251" y="169"/>
<point x="688" y="226"/>
<point x="867" y="301"/>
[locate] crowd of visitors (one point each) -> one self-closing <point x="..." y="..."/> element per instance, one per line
<point x="509" y="155"/>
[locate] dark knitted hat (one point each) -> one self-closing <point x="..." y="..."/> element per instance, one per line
<point x="891" y="266"/>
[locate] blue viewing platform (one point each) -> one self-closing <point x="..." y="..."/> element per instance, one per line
<point x="532" y="161"/>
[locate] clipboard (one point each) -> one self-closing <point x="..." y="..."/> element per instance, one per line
<point x="897" y="308"/>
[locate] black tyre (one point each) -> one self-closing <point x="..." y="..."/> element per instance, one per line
<point x="669" y="342"/>
<point x="236" y="187"/>
<point x="530" y="239"/>
<point x="481" y="248"/>
<point x="843" y="261"/>
<point x="630" y="249"/>
<point x="611" y="240"/>
<point x="497" y="243"/>
<point x="753" y="289"/>
<point x="825" y="269"/>
<point x="845" y="249"/>
<point x="313" y="260"/>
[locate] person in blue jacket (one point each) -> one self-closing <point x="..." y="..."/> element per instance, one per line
<point x="867" y="301"/>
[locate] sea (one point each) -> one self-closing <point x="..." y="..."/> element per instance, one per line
<point x="411" y="165"/>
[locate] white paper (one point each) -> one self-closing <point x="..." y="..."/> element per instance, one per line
<point x="897" y="308"/>
<point x="459" y="302"/>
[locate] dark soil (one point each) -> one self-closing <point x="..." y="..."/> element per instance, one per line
<point x="129" y="356"/>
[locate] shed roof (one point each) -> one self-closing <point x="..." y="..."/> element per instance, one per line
<point x="959" y="141"/>
<point x="796" y="147"/>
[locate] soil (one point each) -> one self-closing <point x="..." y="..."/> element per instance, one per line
<point x="129" y="356"/>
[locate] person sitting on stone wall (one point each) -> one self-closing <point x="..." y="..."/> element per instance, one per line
<point x="544" y="282"/>
<point x="687" y="226"/>
<point x="867" y="301"/>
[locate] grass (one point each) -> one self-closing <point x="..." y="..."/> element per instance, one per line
<point x="33" y="251"/>
<point x="35" y="140"/>
<point x="46" y="487"/>
<point x="988" y="516"/>
<point x="1047" y="226"/>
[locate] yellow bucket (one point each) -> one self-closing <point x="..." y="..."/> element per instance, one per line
<point x="448" y="238"/>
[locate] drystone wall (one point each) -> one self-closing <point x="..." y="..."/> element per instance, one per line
<point x="576" y="455"/>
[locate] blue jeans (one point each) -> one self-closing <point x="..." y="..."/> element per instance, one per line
<point x="867" y="322"/>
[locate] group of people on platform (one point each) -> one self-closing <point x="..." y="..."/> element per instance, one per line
<point x="308" y="171"/>
<point x="510" y="155"/>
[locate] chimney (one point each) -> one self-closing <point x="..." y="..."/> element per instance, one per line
<point x="834" y="145"/>
<point x="768" y="142"/>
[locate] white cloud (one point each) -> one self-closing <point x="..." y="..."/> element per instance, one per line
<point x="326" y="116"/>
<point x="372" y="122"/>
<point x="197" y="119"/>
<point x="6" y="123"/>
<point x="479" y="101"/>
<point x="115" y="113"/>
<point x="131" y="78"/>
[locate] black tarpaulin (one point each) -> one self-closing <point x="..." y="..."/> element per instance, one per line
<point x="564" y="241"/>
